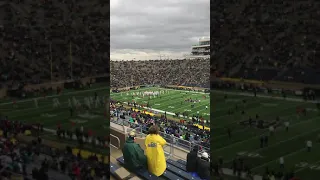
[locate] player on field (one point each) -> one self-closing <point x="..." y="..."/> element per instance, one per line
<point x="281" y="162"/>
<point x="309" y="145"/>
<point x="271" y="130"/>
<point x="35" y="102"/>
<point x="96" y="104"/>
<point x="69" y="103"/>
<point x="75" y="102"/>
<point x="56" y="102"/>
<point x="286" y="125"/>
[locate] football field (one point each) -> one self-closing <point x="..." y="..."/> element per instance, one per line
<point x="245" y="140"/>
<point x="25" y="110"/>
<point x="171" y="101"/>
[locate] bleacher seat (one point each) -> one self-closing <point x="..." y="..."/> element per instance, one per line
<point x="181" y="173"/>
<point x="182" y="162"/>
<point x="176" y="164"/>
<point x="135" y="178"/>
<point x="147" y="175"/>
<point x="113" y="168"/>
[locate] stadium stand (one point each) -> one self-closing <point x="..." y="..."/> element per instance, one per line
<point x="274" y="43"/>
<point x="160" y="72"/>
<point x="24" y="158"/>
<point x="33" y="33"/>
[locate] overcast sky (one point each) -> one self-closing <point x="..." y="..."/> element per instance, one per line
<point x="144" y="29"/>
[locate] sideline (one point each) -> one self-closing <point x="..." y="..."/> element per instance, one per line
<point x="63" y="94"/>
<point x="264" y="96"/>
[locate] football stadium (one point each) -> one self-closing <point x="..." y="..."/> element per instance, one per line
<point x="171" y="94"/>
<point x="265" y="115"/>
<point x="53" y="90"/>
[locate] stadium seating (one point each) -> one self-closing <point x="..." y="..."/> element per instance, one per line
<point x="33" y="32"/>
<point x="172" y="172"/>
<point x="267" y="41"/>
<point x="182" y="162"/>
<point x="195" y="73"/>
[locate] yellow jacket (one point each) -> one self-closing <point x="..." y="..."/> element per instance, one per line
<point x="155" y="154"/>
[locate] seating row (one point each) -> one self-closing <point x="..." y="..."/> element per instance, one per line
<point x="176" y="170"/>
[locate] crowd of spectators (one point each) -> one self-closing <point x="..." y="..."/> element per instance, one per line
<point x="186" y="72"/>
<point x="35" y="33"/>
<point x="182" y="133"/>
<point x="266" y="40"/>
<point x="36" y="160"/>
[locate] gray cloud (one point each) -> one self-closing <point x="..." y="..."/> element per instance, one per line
<point x="145" y="28"/>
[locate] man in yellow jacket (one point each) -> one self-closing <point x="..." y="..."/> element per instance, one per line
<point x="154" y="152"/>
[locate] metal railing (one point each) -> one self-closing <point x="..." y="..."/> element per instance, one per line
<point x="118" y="140"/>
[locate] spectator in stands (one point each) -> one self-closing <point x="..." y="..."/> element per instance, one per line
<point x="133" y="154"/>
<point x="154" y="151"/>
<point x="192" y="159"/>
<point x="203" y="166"/>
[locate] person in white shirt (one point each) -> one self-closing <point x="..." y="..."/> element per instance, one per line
<point x="309" y="145"/>
<point x="286" y="125"/>
<point x="271" y="129"/>
<point x="281" y="162"/>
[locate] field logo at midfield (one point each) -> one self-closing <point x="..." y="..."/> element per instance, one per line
<point x="47" y="115"/>
<point x="88" y="116"/>
<point x="248" y="154"/>
<point x="171" y="107"/>
<point x="78" y="121"/>
<point x="307" y="165"/>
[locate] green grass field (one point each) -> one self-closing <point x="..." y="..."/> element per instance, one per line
<point x="172" y="102"/>
<point x="50" y="117"/>
<point x="245" y="140"/>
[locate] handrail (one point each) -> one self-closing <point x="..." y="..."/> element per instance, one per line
<point x="117" y="140"/>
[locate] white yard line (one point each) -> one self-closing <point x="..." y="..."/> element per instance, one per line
<point x="68" y="93"/>
<point x="233" y="144"/>
<point x="290" y="154"/>
<point x="306" y="167"/>
<point x="283" y="141"/>
<point x="161" y="111"/>
<point x="263" y="96"/>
